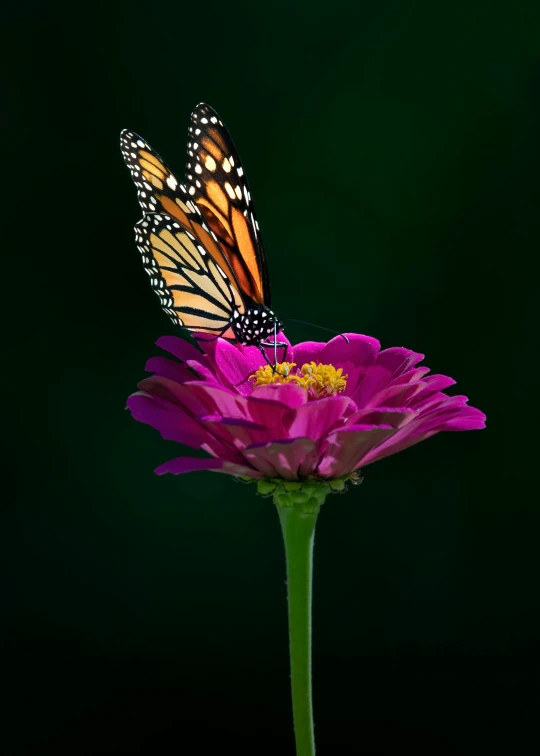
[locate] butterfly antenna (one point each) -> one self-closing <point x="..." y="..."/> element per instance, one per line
<point x="322" y="328"/>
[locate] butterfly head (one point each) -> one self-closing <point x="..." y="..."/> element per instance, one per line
<point x="255" y="325"/>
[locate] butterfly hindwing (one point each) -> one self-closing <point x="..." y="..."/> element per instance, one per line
<point x="192" y="287"/>
<point x="215" y="181"/>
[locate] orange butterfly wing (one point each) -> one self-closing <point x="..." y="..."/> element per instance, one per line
<point x="158" y="190"/>
<point x="191" y="286"/>
<point x="216" y="182"/>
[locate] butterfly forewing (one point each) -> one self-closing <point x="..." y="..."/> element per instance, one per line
<point x="192" y="287"/>
<point x="215" y="181"/>
<point x="158" y="190"/>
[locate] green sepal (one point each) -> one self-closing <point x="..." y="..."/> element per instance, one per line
<point x="266" y="487"/>
<point x="310" y="493"/>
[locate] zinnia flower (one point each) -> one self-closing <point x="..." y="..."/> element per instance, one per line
<point x="328" y="410"/>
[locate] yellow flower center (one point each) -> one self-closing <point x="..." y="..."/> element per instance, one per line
<point x="317" y="379"/>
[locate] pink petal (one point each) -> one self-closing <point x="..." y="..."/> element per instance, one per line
<point x="180" y="394"/>
<point x="410" y="376"/>
<point x="391" y="364"/>
<point x="173" y="424"/>
<point x="360" y="351"/>
<point x="438" y="420"/>
<point x="234" y="364"/>
<point x="315" y="419"/>
<point x="202" y="372"/>
<point x="193" y="464"/>
<point x="388" y="448"/>
<point x="307" y="351"/>
<point x="180" y="348"/>
<point x="425" y="426"/>
<point x="166" y="368"/>
<point x="437" y="403"/>
<point x="286" y="393"/>
<point x="432" y="385"/>
<point x="231" y="421"/>
<point x="364" y="385"/>
<point x="349" y="446"/>
<point x="269" y="419"/>
<point x="398" y="360"/>
<point x="287" y="459"/>
<point x="473" y="422"/>
<point x="394" y="417"/>
<point x="395" y="396"/>
<point x="273" y="417"/>
<point x="237" y="435"/>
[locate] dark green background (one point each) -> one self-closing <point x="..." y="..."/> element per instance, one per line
<point x="393" y="152"/>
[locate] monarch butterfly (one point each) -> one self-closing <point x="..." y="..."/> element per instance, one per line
<point x="199" y="240"/>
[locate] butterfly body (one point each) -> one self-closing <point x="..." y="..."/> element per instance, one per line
<point x="199" y="239"/>
<point x="256" y="325"/>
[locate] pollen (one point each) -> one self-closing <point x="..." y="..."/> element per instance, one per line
<point x="317" y="379"/>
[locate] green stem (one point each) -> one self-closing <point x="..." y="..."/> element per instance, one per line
<point x="298" y="511"/>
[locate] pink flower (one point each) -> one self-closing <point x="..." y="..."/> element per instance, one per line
<point x="335" y="407"/>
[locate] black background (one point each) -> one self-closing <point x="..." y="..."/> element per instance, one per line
<point x="392" y="149"/>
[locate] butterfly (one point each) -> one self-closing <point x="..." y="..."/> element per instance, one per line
<point x="199" y="240"/>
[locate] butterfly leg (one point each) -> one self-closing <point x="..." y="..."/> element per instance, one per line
<point x="262" y="345"/>
<point x="274" y="344"/>
<point x="273" y="365"/>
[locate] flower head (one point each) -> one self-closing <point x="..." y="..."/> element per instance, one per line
<point x="330" y="409"/>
